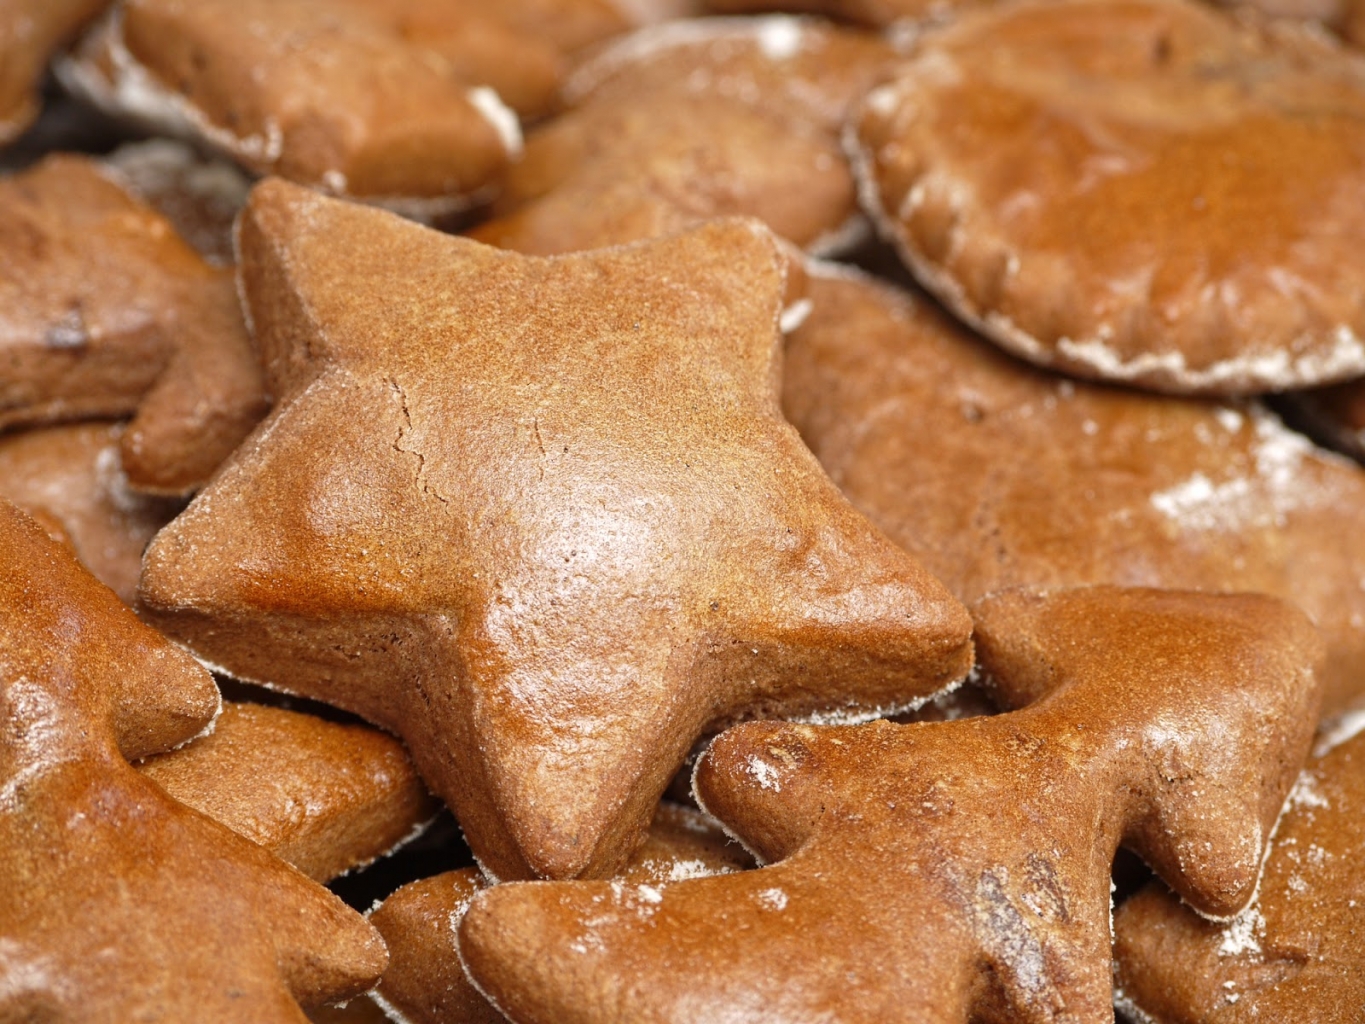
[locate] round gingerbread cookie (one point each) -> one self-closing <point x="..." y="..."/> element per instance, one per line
<point x="1146" y="191"/>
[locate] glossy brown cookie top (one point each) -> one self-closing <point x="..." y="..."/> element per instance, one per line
<point x="1146" y="191"/>
<point x="116" y="902"/>
<point x="691" y="120"/>
<point x="995" y="474"/>
<point x="325" y="92"/>
<point x="955" y="871"/>
<point x="321" y="796"/>
<point x="1296" y="952"/>
<point x="425" y="980"/>
<point x="30" y="31"/>
<point x="105" y="311"/>
<point x="70" y="479"/>
<point x="540" y="517"/>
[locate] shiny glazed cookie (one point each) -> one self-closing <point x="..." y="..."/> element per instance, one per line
<point x="104" y="311"/>
<point x="116" y="902"/>
<point x="539" y="517"/>
<point x="995" y="474"/>
<point x="691" y="120"/>
<point x="1296" y="952"/>
<point x="1145" y="191"/>
<point x="947" y="872"/>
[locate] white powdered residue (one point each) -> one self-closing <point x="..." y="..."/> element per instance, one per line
<point x="1231" y="419"/>
<point x="1340" y="731"/>
<point x="794" y="315"/>
<point x="1201" y="504"/>
<point x="772" y="899"/>
<point x="395" y="1015"/>
<point x="1243" y="933"/>
<point x="682" y="870"/>
<point x="780" y="38"/>
<point x="500" y="116"/>
<point x="114" y="482"/>
<point x="650" y="894"/>
<point x="1273" y="490"/>
<point x="1305" y="793"/>
<point x="764" y="773"/>
<point x="1266" y="370"/>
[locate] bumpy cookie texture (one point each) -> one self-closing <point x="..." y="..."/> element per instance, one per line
<point x="324" y="92"/>
<point x="692" y="120"/>
<point x="540" y="517"/>
<point x="956" y="871"/>
<point x="425" y="981"/>
<point x="117" y="903"/>
<point x="321" y="796"/>
<point x="1295" y="953"/>
<point x="104" y="311"/>
<point x="30" y="31"/>
<point x="69" y="478"/>
<point x="995" y="474"/>
<point x="1146" y="191"/>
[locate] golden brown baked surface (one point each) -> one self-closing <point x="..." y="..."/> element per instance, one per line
<point x="104" y="312"/>
<point x="321" y="796"/>
<point x="549" y="532"/>
<point x="116" y="903"/>
<point x="1146" y="191"/>
<point x="947" y="872"/>
<point x="1295" y="954"/>
<point x="995" y="474"/>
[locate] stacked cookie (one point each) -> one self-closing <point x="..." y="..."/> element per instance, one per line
<point x="477" y="396"/>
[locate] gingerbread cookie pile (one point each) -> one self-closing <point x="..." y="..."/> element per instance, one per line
<point x="637" y="614"/>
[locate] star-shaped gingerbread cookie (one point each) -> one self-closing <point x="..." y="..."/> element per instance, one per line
<point x="116" y="902"/>
<point x="947" y="872"/>
<point x="540" y="517"/>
